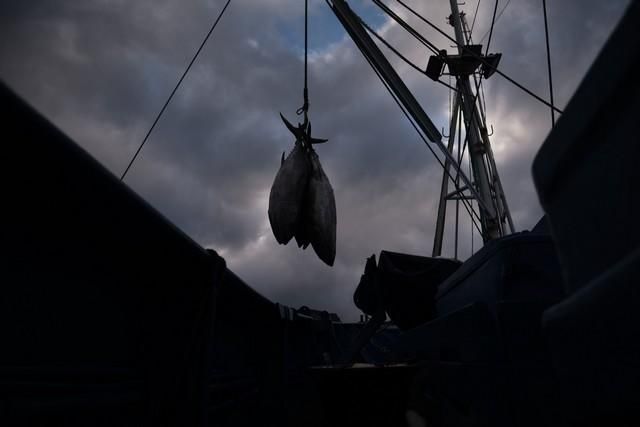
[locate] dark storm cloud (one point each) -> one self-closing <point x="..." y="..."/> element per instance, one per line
<point x="100" y="70"/>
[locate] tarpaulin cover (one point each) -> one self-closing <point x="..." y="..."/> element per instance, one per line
<point x="403" y="285"/>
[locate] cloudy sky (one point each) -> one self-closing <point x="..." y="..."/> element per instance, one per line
<point x="101" y="69"/>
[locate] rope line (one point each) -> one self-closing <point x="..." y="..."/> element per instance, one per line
<point x="164" y="107"/>
<point x="305" y="105"/>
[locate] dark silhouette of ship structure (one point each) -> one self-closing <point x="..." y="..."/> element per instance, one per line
<point x="111" y="316"/>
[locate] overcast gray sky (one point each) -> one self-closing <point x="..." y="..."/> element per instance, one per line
<point x="100" y="70"/>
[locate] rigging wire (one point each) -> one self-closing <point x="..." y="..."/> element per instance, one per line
<point x="400" y="55"/>
<point x="546" y="34"/>
<point x="478" y="57"/>
<point x="407" y="27"/>
<point x="475" y="15"/>
<point x="497" y="19"/>
<point x="133" y="159"/>
<point x="493" y="23"/>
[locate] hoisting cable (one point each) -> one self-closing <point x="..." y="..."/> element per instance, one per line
<point x="478" y="57"/>
<point x="133" y="159"/>
<point x="303" y="131"/>
<point x="305" y="106"/>
<point x="546" y="34"/>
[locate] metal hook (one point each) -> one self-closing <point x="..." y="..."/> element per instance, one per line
<point x="491" y="134"/>
<point x="302" y="132"/>
<point x="443" y="134"/>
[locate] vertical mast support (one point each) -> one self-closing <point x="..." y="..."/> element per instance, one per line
<point x="444" y="190"/>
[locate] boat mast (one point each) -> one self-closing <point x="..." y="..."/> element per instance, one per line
<point x="495" y="218"/>
<point x="358" y="33"/>
<point x="484" y="185"/>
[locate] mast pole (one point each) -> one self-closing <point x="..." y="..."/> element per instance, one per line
<point x="489" y="207"/>
<point x="501" y="199"/>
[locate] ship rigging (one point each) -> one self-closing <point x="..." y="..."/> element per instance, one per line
<point x="479" y="189"/>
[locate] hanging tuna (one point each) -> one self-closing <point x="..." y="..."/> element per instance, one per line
<point x="301" y="202"/>
<point x="287" y="192"/>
